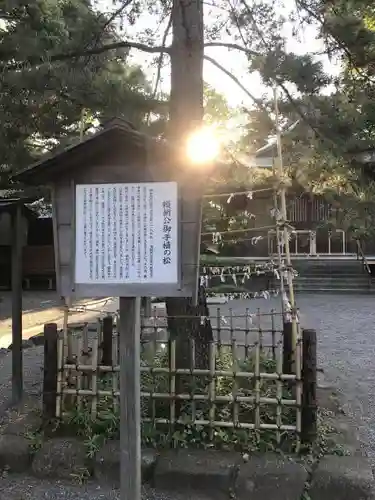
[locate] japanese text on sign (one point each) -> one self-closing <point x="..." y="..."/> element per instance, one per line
<point x="126" y="233"/>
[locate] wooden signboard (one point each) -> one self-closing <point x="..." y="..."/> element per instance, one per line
<point x="122" y="202"/>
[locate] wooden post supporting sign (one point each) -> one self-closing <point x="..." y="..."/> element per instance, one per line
<point x="130" y="413"/>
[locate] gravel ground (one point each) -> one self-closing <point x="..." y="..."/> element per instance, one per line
<point x="346" y="349"/>
<point x="32" y="375"/>
<point x="28" y="488"/>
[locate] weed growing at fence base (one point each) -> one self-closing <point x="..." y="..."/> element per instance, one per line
<point x="169" y="422"/>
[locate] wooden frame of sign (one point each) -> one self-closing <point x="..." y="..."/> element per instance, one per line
<point x="126" y="221"/>
<point x="109" y="192"/>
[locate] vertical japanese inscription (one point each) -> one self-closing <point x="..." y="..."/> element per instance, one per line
<point x="121" y="232"/>
<point x="114" y="233"/>
<point x="102" y="233"/>
<point x="91" y="236"/>
<point x="167" y="229"/>
<point x="139" y="234"/>
<point x="145" y="231"/>
<point x="109" y="234"/>
<point x="151" y="231"/>
<point x="126" y="231"/>
<point x="85" y="222"/>
<point x="133" y="231"/>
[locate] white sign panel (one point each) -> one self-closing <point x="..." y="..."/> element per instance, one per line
<point x="126" y="233"/>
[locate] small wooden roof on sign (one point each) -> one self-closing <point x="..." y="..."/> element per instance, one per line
<point x="55" y="163"/>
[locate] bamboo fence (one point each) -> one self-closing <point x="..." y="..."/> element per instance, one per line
<point x="241" y="386"/>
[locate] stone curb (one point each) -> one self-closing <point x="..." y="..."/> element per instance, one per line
<point x="222" y="474"/>
<point x="267" y="476"/>
<point x="228" y="475"/>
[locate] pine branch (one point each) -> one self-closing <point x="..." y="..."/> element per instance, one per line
<point x="125" y="44"/>
<point x="84" y="53"/>
<point x="160" y="63"/>
<point x="236" y="80"/>
<point x="233" y="46"/>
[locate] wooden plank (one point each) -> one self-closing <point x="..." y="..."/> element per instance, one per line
<point x="287" y="348"/>
<point x="61" y="202"/>
<point x="309" y="381"/>
<point x="50" y="372"/>
<point x="131" y="290"/>
<point x="17" y="370"/>
<point x="65" y="244"/>
<point x="65" y="282"/>
<point x="107" y="341"/>
<point x="55" y="237"/>
<point x="130" y="414"/>
<point x="73" y="234"/>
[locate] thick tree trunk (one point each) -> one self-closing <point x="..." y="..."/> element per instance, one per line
<point x="186" y="114"/>
<point x="190" y="325"/>
<point x="186" y="98"/>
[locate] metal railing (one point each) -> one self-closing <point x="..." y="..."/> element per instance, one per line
<point x="361" y="256"/>
<point x="310" y="246"/>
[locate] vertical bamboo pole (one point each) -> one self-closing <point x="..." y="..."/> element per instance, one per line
<point x="279" y="249"/>
<point x="235" y="386"/>
<point x="60" y="375"/>
<point x="273" y="334"/>
<point x="285" y="232"/>
<point x="66" y="353"/>
<point x="260" y="332"/>
<point x="94" y="374"/>
<point x="247" y="329"/>
<point x="192" y="381"/>
<point x="257" y="389"/>
<point x="172" y="385"/>
<point x="79" y="372"/>
<point x="115" y="374"/>
<point x="212" y="387"/>
<point x="218" y="326"/>
<point x="279" y="390"/>
<point x="85" y="354"/>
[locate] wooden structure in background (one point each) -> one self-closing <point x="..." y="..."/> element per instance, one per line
<point x="15" y="208"/>
<point x="7" y="211"/>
